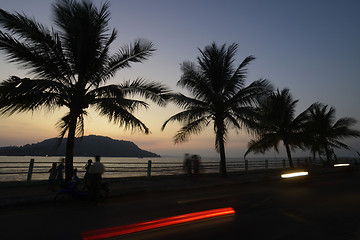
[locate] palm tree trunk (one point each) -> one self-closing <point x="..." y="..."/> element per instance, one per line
<point x="328" y="156"/>
<point x="314" y="155"/>
<point x="222" y="157"/>
<point x="288" y="152"/>
<point x="321" y="160"/>
<point x="220" y="138"/>
<point x="70" y="150"/>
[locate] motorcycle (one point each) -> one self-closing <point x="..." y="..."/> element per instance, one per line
<point x="72" y="192"/>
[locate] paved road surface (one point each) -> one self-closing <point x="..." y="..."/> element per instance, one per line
<point x="322" y="207"/>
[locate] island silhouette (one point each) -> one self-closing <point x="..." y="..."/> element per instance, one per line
<point x="85" y="146"/>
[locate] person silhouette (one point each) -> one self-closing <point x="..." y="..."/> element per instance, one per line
<point x="60" y="172"/>
<point x="86" y="176"/>
<point x="188" y="164"/>
<point x="96" y="171"/>
<point x="52" y="177"/>
<point x="196" y="165"/>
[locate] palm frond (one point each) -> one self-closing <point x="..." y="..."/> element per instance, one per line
<point x="137" y="52"/>
<point x="337" y="144"/>
<point x="64" y="123"/>
<point x="263" y="144"/>
<point x="187" y="116"/>
<point x="194" y="81"/>
<point x="275" y="121"/>
<point x="231" y="120"/>
<point x="238" y="77"/>
<point x="344" y="124"/>
<point x="119" y="111"/>
<point x="186" y="131"/>
<point x="131" y="105"/>
<point x="84" y="34"/>
<point x="324" y="132"/>
<point x="186" y="102"/>
<point x="22" y="95"/>
<point x="108" y="91"/>
<point x="216" y="65"/>
<point x="251" y="95"/>
<point x="63" y="126"/>
<point x="99" y="72"/>
<point x="248" y="117"/>
<point x="153" y="91"/>
<point x="39" y="51"/>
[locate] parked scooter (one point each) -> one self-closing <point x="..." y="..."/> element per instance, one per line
<point x="72" y="192"/>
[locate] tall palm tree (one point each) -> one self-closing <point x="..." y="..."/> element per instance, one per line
<point x="71" y="66"/>
<point x="277" y="122"/>
<point x="325" y="133"/>
<point x="219" y="96"/>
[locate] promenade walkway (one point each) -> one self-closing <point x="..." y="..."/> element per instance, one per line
<point x="20" y="193"/>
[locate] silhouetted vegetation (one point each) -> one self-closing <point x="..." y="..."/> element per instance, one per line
<point x="71" y="66"/>
<point x="313" y="129"/>
<point x="277" y="123"/>
<point x="219" y="96"/>
<point x="324" y="133"/>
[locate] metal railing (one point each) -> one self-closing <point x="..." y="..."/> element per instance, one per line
<point x="26" y="170"/>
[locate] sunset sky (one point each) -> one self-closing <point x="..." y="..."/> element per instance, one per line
<point x="310" y="47"/>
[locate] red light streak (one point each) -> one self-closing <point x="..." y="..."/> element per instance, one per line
<point x="132" y="228"/>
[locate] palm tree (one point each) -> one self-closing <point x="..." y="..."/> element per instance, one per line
<point x="278" y="123"/>
<point x="71" y="66"/>
<point x="218" y="96"/>
<point x="325" y="133"/>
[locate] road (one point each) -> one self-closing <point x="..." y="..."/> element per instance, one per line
<point x="320" y="207"/>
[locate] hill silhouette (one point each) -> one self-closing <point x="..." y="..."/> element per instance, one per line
<point x="86" y="146"/>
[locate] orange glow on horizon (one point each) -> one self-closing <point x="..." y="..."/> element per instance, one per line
<point x="137" y="227"/>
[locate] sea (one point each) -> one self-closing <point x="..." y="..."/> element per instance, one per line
<point x="16" y="168"/>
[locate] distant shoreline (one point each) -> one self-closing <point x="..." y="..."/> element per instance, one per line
<point x="86" y="146"/>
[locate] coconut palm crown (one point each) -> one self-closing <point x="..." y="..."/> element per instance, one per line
<point x="70" y="65"/>
<point x="278" y="124"/>
<point x="218" y="96"/>
<point x="325" y="133"/>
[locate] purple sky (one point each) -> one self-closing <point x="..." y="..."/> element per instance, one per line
<point x="310" y="47"/>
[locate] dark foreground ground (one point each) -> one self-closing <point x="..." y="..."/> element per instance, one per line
<point x="323" y="205"/>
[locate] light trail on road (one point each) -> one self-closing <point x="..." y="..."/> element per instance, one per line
<point x="137" y="227"/>
<point x="294" y="174"/>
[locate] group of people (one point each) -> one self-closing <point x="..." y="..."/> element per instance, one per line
<point x="92" y="177"/>
<point x="192" y="165"/>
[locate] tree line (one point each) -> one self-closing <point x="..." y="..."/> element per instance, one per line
<point x="72" y="64"/>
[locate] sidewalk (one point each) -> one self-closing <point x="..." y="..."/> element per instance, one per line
<point x="37" y="192"/>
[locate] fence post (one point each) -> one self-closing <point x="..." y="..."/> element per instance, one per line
<point x="266" y="164"/>
<point x="246" y="165"/>
<point x="31" y="167"/>
<point x="149" y="169"/>
<point x="284" y="163"/>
